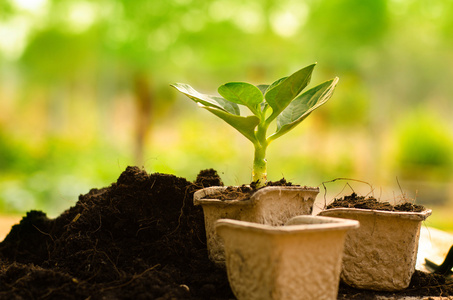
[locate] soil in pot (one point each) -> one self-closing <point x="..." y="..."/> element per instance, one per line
<point x="139" y="238"/>
<point x="244" y="192"/>
<point x="355" y="201"/>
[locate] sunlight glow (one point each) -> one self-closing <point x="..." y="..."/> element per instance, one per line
<point x="81" y="16"/>
<point x="220" y="10"/>
<point x="13" y="37"/>
<point x="250" y="18"/>
<point x="30" y="5"/>
<point x="247" y="16"/>
<point x="288" y="20"/>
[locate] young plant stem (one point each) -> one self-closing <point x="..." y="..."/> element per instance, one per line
<point x="259" y="173"/>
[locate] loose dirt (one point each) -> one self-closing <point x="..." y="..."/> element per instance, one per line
<point x="355" y="201"/>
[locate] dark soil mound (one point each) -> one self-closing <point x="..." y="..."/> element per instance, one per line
<point x="355" y="201"/>
<point x="140" y="238"/>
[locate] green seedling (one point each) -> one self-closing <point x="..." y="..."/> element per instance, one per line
<point x="281" y="101"/>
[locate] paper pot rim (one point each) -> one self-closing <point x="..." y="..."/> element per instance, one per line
<point x="303" y="223"/>
<point x="198" y="197"/>
<point x="412" y="215"/>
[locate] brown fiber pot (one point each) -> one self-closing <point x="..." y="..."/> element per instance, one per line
<point x="271" y="205"/>
<point x="300" y="260"/>
<point x="382" y="253"/>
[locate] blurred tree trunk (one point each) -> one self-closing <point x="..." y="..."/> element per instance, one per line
<point x="144" y="103"/>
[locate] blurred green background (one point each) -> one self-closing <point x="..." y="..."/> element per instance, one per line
<point x="84" y="92"/>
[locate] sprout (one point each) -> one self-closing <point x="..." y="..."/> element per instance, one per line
<point x="288" y="107"/>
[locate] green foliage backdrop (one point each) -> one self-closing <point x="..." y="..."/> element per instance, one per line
<point x="84" y="92"/>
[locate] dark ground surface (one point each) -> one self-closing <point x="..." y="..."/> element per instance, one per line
<point x="139" y="238"/>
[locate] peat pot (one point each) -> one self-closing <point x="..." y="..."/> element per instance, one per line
<point x="272" y="205"/>
<point x="300" y="260"/>
<point x="382" y="253"/>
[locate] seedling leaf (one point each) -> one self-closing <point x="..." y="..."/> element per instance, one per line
<point x="284" y="90"/>
<point x="206" y="100"/>
<point x="245" y="125"/>
<point x="262" y="88"/>
<point x="302" y="106"/>
<point x="242" y="93"/>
